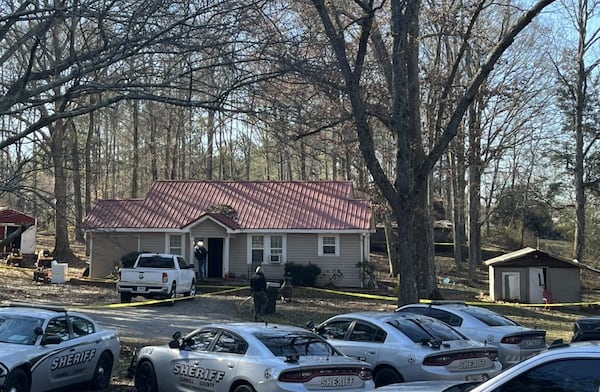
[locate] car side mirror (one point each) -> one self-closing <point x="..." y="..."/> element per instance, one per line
<point x="176" y="340"/>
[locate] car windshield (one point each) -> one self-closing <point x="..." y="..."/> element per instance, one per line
<point x="421" y="330"/>
<point x="19" y="329"/>
<point x="296" y="343"/>
<point x="488" y="317"/>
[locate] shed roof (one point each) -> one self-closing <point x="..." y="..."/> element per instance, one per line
<point x="8" y="215"/>
<point x="289" y="205"/>
<point x="531" y="257"/>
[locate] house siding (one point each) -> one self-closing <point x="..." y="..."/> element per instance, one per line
<point x="107" y="250"/>
<point x="238" y="263"/>
<point x="208" y="229"/>
<point x="304" y="249"/>
<point x="152" y="242"/>
<point x="565" y="284"/>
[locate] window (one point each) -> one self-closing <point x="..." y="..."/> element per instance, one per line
<point x="276" y="249"/>
<point x="230" y="343"/>
<point x="266" y="248"/>
<point x="258" y="248"/>
<point x="175" y="245"/>
<point x="202" y="340"/>
<point x="182" y="263"/>
<point x="567" y="375"/>
<point x="447" y="317"/>
<point x="335" y="330"/>
<point x="81" y="327"/>
<point x="58" y="327"/>
<point x="329" y="245"/>
<point x="367" y="333"/>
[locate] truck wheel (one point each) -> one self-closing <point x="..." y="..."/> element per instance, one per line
<point x="172" y="295"/>
<point x="125" y="298"/>
<point x="192" y="291"/>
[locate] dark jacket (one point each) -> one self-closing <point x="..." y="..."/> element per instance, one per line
<point x="200" y="252"/>
<point x="258" y="283"/>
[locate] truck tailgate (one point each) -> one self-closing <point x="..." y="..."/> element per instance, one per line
<point x="142" y="276"/>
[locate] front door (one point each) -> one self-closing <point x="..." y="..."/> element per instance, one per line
<point x="215" y="258"/>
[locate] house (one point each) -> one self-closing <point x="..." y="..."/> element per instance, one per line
<point x="242" y="224"/>
<point x="10" y="222"/>
<point x="529" y="275"/>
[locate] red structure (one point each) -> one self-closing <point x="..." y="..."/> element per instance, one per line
<point x="10" y="221"/>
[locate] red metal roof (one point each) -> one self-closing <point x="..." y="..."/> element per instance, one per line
<point x="8" y="215"/>
<point x="289" y="205"/>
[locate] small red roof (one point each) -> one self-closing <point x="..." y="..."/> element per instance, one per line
<point x="278" y="205"/>
<point x="8" y="215"/>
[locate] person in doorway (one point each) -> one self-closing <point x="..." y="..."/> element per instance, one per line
<point x="201" y="254"/>
<point x="258" y="286"/>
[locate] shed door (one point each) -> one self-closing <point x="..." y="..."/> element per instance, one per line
<point x="511" y="285"/>
<point x="536" y="285"/>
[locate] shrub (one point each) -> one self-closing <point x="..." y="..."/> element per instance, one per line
<point x="303" y="274"/>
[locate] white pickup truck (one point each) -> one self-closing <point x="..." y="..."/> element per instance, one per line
<point x="157" y="276"/>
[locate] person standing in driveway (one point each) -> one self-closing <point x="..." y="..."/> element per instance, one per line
<point x="258" y="286"/>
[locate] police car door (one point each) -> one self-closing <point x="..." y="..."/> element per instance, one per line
<point x="61" y="364"/>
<point x="190" y="371"/>
<point x="364" y="341"/>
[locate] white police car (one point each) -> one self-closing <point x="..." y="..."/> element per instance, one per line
<point x="249" y="357"/>
<point x="405" y="347"/>
<point x="47" y="347"/>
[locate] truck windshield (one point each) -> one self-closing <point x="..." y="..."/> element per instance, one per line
<point x="155" y="262"/>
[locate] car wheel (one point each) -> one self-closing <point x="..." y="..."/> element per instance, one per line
<point x="385" y="376"/>
<point x="125" y="298"/>
<point x="192" y="291"/>
<point x="145" y="378"/>
<point x="103" y="372"/>
<point x="17" y="381"/>
<point x="244" y="388"/>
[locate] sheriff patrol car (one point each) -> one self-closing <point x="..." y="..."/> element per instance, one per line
<point x="47" y="347"/>
<point x="249" y="357"/>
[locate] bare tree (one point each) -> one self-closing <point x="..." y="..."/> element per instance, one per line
<point x="575" y="84"/>
<point x="407" y="191"/>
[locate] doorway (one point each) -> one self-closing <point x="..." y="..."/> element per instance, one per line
<point x="511" y="285"/>
<point x="537" y="284"/>
<point x="215" y="258"/>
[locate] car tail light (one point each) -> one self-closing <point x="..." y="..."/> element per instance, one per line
<point x="511" y="340"/>
<point x="165" y="277"/>
<point x="533" y="339"/>
<point x="446" y="359"/>
<point x="302" y="376"/>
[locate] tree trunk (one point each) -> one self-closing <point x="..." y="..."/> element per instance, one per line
<point x="580" y="98"/>
<point x="75" y="169"/>
<point x="474" y="160"/>
<point x="62" y="250"/>
<point x="210" y="144"/>
<point x="136" y="151"/>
